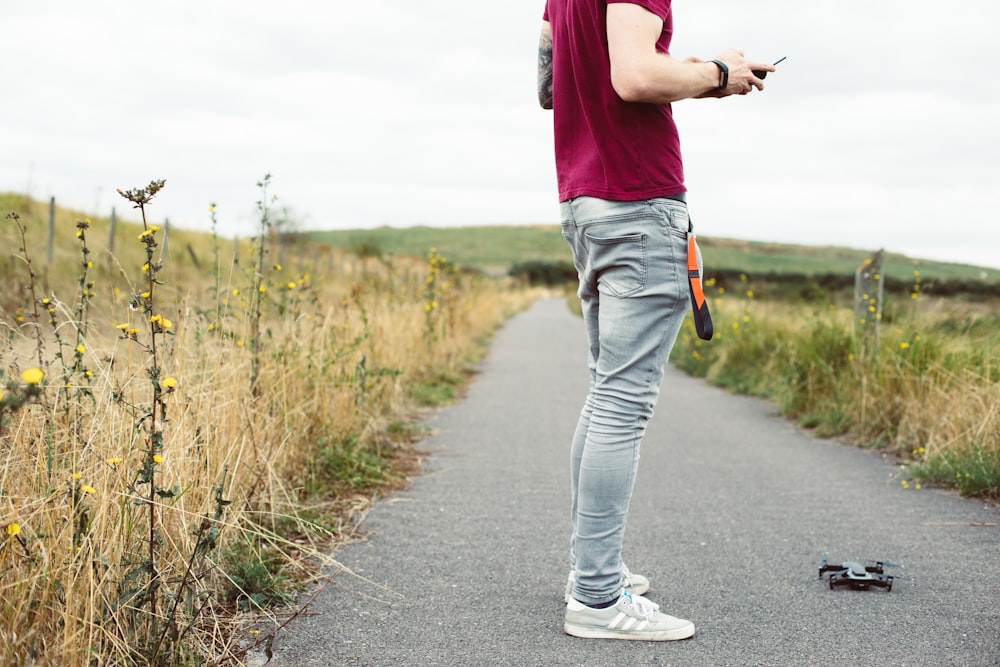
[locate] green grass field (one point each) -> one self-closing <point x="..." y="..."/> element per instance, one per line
<point x="500" y="247"/>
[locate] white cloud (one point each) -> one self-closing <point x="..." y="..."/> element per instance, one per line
<point x="877" y="130"/>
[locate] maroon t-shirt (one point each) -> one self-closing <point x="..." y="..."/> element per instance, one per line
<point x="605" y="147"/>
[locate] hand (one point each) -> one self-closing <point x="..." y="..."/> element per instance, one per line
<point x="742" y="80"/>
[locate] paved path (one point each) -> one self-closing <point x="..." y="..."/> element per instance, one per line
<point x="732" y="510"/>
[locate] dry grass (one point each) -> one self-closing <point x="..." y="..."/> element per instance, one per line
<point x="153" y="503"/>
<point x="928" y="392"/>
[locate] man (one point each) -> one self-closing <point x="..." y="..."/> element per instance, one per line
<point x="604" y="69"/>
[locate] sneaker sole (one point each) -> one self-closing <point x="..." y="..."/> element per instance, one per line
<point x="591" y="632"/>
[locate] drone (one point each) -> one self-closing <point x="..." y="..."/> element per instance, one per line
<point x="856" y="575"/>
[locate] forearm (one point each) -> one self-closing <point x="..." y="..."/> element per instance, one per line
<point x="640" y="73"/>
<point x="545" y="67"/>
<point x="659" y="79"/>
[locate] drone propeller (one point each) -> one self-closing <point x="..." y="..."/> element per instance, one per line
<point x="885" y="563"/>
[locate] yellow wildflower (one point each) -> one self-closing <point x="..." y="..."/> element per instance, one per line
<point x="13" y="529"/>
<point x="169" y="382"/>
<point x="80" y="349"/>
<point x="115" y="460"/>
<point x="904" y="345"/>
<point x="86" y="488"/>
<point x="33" y="375"/>
<point x="76" y="475"/>
<point x="157" y="458"/>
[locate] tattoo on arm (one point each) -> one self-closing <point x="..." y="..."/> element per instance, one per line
<point x="545" y="70"/>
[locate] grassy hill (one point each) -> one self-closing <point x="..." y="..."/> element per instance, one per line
<point x="501" y="247"/>
<point x="494" y="249"/>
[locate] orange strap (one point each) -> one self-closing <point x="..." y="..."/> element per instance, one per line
<point x="699" y="306"/>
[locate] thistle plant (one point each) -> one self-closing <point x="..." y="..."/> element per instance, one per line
<point x="438" y="268"/>
<point x="259" y="290"/>
<point x="35" y="316"/>
<point x="216" y="269"/>
<point x="153" y="417"/>
<point x="32" y="377"/>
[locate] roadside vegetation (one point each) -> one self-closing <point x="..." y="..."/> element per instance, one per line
<point x="925" y="390"/>
<point x="188" y="423"/>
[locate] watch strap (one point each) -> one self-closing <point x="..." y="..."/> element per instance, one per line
<point x="723" y="74"/>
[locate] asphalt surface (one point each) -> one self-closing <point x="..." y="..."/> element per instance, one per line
<point x="732" y="511"/>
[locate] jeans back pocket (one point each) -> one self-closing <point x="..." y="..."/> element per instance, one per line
<point x="619" y="262"/>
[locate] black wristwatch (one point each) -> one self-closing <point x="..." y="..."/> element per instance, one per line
<point x="723" y="74"/>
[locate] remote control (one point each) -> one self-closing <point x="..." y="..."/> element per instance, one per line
<point x="760" y="74"/>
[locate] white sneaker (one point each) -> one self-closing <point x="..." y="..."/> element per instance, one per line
<point x="631" y="617"/>
<point x="636" y="584"/>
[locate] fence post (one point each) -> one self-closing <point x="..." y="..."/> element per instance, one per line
<point x="112" y="222"/>
<point x="868" y="300"/>
<point x="52" y="227"/>
<point x="166" y="235"/>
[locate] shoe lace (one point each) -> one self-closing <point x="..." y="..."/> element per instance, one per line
<point x="643" y="607"/>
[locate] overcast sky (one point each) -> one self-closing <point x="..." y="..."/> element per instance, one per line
<point x="879" y="130"/>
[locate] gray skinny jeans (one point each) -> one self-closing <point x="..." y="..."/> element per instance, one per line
<point x="631" y="258"/>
